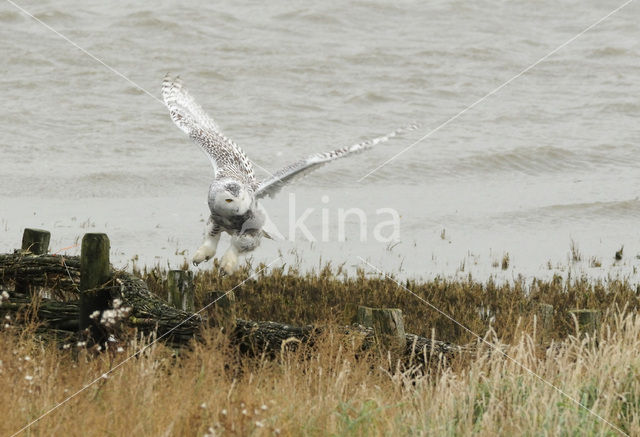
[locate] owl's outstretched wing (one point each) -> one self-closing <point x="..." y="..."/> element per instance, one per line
<point x="227" y="158"/>
<point x="270" y="186"/>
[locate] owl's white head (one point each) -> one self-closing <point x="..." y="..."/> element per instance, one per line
<point x="228" y="198"/>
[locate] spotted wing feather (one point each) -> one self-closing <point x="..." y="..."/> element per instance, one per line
<point x="272" y="185"/>
<point x="227" y="158"/>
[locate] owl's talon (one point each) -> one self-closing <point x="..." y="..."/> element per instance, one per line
<point x="204" y="253"/>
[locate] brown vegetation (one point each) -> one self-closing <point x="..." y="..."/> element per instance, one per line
<point x="333" y="387"/>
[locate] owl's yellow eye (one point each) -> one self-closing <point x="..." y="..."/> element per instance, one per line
<point x="228" y="200"/>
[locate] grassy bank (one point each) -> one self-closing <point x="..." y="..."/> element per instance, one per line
<point x="330" y="296"/>
<point x="334" y="389"/>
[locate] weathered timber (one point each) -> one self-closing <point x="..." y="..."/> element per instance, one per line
<point x="36" y="241"/>
<point x="588" y="321"/>
<point x="149" y="313"/>
<point x="95" y="272"/>
<point x="180" y="290"/>
<point x="544" y="315"/>
<point x="51" y="314"/>
<point x="364" y="316"/>
<point x="271" y="337"/>
<point x="253" y="337"/>
<point x="388" y="326"/>
<point x="58" y="275"/>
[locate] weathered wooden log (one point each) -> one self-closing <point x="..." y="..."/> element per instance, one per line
<point x="61" y="274"/>
<point x="150" y="313"/>
<point x="270" y="337"/>
<point x="180" y="290"/>
<point x="51" y="314"/>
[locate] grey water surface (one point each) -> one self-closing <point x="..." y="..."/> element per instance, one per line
<point x="552" y="157"/>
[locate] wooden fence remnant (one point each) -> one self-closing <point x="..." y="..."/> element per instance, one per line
<point x="180" y="289"/>
<point x="35" y="241"/>
<point x="364" y="316"/>
<point x="588" y="321"/>
<point x="95" y="272"/>
<point x="151" y="314"/>
<point x="544" y="314"/>
<point x="388" y="325"/>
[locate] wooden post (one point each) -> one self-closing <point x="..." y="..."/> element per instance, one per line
<point x="350" y="313"/>
<point x="588" y="321"/>
<point x="95" y="271"/>
<point x="180" y="289"/>
<point x="364" y="316"/>
<point x="35" y="241"/>
<point x="544" y="314"/>
<point x="388" y="325"/>
<point x="222" y="313"/>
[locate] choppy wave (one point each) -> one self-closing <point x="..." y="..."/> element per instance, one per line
<point x="557" y="145"/>
<point x="574" y="213"/>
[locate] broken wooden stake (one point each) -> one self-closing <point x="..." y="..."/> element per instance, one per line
<point x="180" y="289"/>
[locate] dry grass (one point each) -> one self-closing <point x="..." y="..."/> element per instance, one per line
<point x="327" y="390"/>
<point x="330" y="296"/>
<point x="334" y="389"/>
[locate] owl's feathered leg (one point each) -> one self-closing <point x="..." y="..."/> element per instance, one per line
<point x="240" y="244"/>
<point x="210" y="244"/>
<point x="229" y="261"/>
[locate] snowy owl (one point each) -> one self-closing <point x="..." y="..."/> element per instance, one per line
<point x="234" y="192"/>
